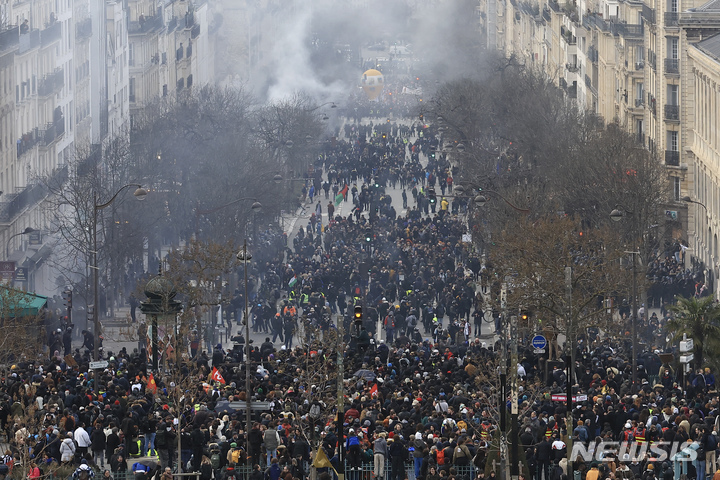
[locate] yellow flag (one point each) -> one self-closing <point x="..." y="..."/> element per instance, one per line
<point x="322" y="461"/>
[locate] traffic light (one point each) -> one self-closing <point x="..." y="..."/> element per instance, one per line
<point x="91" y="313"/>
<point x="368" y="238"/>
<point x="422" y="117"/>
<point x="358" y="315"/>
<point x="432" y="198"/>
<point x="67" y="297"/>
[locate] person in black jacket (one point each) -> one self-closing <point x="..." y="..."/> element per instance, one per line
<point x="398" y="454"/>
<point x="112" y="441"/>
<point x="255" y="439"/>
<point x="97" y="437"/>
<point x="543" y="454"/>
<point x="197" y="440"/>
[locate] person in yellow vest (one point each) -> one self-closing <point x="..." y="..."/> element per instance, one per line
<point x="444" y="204"/>
<point x="640" y="434"/>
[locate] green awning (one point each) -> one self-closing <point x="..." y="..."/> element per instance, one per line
<point x="16" y="303"/>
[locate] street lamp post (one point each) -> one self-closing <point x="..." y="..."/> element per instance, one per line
<point x="509" y="335"/>
<point x="244" y="257"/>
<point x="27" y="231"/>
<point x="616" y="215"/>
<point x="687" y="199"/>
<point x="140" y="194"/>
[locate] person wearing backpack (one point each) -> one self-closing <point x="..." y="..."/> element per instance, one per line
<point x="215" y="460"/>
<point x="440" y="457"/>
<point x="461" y="454"/>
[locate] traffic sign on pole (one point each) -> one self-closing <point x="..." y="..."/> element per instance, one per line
<point x="539" y="342"/>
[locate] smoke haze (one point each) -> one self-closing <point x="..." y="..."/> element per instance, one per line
<point x="321" y="47"/>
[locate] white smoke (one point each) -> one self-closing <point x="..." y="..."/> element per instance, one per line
<point x="291" y="70"/>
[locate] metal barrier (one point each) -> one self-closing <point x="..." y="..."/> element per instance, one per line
<point x="242" y="472"/>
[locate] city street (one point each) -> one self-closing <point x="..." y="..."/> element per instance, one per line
<point x="120" y="334"/>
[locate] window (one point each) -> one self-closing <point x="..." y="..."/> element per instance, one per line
<point x="639" y="54"/>
<point x="676" y="188"/>
<point x="639" y="91"/>
<point x="672" y="46"/>
<point x="672" y="140"/>
<point x="132" y="89"/>
<point x="673" y="6"/>
<point x="673" y="96"/>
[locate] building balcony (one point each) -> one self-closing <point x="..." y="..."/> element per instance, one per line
<point x="672" y="158"/>
<point x="9" y="37"/>
<point x="17" y="203"/>
<point x="27" y="141"/>
<point x="639" y="102"/>
<point x="145" y="25"/>
<point x="29" y="41"/>
<point x="51" y="83"/>
<point x="671" y="19"/>
<point x="639" y="66"/>
<point x="195" y="32"/>
<point x="648" y="13"/>
<point x="572" y="68"/>
<point x="83" y="29"/>
<point x="672" y="66"/>
<point x="567" y="35"/>
<point x="52" y="132"/>
<point x="627" y="31"/>
<point x="50" y="34"/>
<point x="672" y="112"/>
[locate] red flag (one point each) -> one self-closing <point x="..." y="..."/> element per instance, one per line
<point x="216" y="376"/>
<point x="374" y="391"/>
<point x="151" y="385"/>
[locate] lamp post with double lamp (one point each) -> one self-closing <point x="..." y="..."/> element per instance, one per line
<point x="244" y="256"/>
<point x="27" y="231"/>
<point x="140" y="194"/>
<point x="617" y="214"/>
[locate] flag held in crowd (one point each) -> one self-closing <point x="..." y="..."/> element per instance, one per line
<point x="216" y="376"/>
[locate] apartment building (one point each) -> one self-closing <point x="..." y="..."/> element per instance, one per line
<point x="635" y="62"/>
<point x="699" y="56"/>
<point x="171" y="48"/>
<point x="71" y="71"/>
<point x="37" y="109"/>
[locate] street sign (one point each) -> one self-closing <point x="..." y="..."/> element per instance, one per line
<point x="687" y="358"/>
<point x="686" y="345"/>
<point x="539" y="342"/>
<point x="21" y="274"/>
<point x="98" y="365"/>
<point x="35" y="238"/>
<point x="539" y="351"/>
<point x="263" y="406"/>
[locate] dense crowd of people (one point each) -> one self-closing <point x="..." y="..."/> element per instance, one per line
<point x="420" y="396"/>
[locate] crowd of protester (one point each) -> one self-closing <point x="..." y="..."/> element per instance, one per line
<point x="421" y="402"/>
